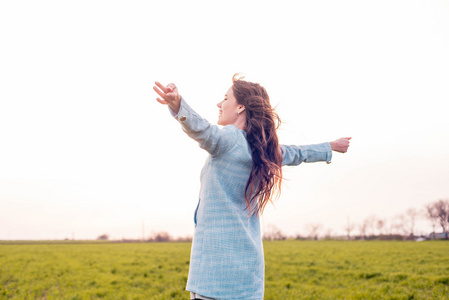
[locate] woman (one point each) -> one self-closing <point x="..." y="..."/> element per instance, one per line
<point x="242" y="173"/>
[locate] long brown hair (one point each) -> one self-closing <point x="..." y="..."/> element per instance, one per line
<point x="265" y="179"/>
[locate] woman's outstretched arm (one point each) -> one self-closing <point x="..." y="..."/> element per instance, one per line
<point x="294" y="155"/>
<point x="209" y="137"/>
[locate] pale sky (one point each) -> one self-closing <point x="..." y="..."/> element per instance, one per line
<point x="86" y="149"/>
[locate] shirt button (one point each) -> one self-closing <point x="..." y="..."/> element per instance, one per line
<point x="182" y="119"/>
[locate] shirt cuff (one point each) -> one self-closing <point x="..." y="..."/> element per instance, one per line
<point x="180" y="116"/>
<point x="329" y="153"/>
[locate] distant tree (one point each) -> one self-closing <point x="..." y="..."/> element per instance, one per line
<point x="389" y="227"/>
<point x="348" y="229"/>
<point x="184" y="239"/>
<point x="380" y="226"/>
<point x="298" y="236"/>
<point x="314" y="230"/>
<point x="428" y="213"/>
<point x="328" y="233"/>
<point x="371" y="225"/>
<point x="438" y="212"/>
<point x="161" y="236"/>
<point x="271" y="233"/>
<point x="398" y="224"/>
<point x="410" y="219"/>
<point x="103" y="237"/>
<point x="362" y="229"/>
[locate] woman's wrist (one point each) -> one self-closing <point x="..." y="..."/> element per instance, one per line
<point x="175" y="105"/>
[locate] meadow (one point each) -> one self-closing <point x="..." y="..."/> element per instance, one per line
<point x="294" y="270"/>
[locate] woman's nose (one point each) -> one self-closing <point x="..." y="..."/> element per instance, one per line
<point x="219" y="104"/>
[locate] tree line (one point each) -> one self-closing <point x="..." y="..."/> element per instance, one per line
<point x="158" y="237"/>
<point x="399" y="227"/>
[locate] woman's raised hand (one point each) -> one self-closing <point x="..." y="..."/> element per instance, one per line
<point x="341" y="145"/>
<point x="169" y="95"/>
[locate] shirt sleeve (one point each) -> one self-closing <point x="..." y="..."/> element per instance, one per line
<point x="294" y="155"/>
<point x="209" y="137"/>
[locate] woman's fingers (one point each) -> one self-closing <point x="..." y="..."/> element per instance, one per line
<point x="340" y="145"/>
<point x="161" y="101"/>
<point x="168" y="95"/>
<point x="171" y="87"/>
<point x="159" y="92"/>
<point x="161" y="87"/>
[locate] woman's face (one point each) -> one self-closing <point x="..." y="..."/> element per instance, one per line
<point x="229" y="109"/>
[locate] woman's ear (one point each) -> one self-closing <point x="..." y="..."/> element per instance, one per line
<point x="241" y="109"/>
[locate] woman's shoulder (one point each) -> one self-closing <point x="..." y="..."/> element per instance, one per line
<point x="234" y="133"/>
<point x="234" y="130"/>
<point x="233" y="138"/>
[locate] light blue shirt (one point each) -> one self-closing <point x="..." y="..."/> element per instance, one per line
<point x="227" y="259"/>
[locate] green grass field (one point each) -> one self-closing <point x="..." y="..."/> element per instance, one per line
<point x="294" y="270"/>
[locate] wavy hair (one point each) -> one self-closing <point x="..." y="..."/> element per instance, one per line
<point x="262" y="121"/>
